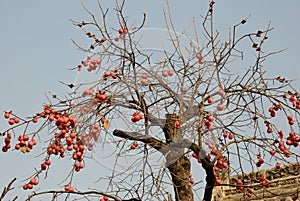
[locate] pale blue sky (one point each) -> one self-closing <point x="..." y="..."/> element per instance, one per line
<point x="36" y="48"/>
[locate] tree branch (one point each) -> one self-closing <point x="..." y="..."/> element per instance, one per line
<point x="151" y="141"/>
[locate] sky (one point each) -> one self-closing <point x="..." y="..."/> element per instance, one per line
<point x="36" y="50"/>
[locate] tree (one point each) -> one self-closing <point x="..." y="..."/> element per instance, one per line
<point x="188" y="103"/>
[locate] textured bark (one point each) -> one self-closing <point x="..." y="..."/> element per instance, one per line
<point x="178" y="164"/>
<point x="210" y="175"/>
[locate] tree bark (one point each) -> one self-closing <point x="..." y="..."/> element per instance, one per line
<point x="177" y="163"/>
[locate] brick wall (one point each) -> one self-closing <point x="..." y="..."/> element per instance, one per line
<point x="284" y="185"/>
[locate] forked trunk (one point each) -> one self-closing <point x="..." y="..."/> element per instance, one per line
<point x="177" y="163"/>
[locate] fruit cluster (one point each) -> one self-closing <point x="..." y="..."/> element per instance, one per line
<point x="137" y="116"/>
<point x="32" y="182"/>
<point x="7" y="145"/>
<point x="12" y="120"/>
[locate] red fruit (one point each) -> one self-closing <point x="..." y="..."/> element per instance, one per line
<point x="48" y="162"/>
<point x="272" y="152"/>
<point x="282" y="148"/>
<point x="71" y="189"/>
<point x="25" y="186"/>
<point x="291" y="122"/>
<point x="135" y="118"/>
<point x="75" y="146"/>
<point x="273" y="114"/>
<point x="280" y="133"/>
<point x="170" y="72"/>
<point x="177" y="124"/>
<point x="34" y="181"/>
<point x="69" y="147"/>
<point x="210" y="100"/>
<point x="35" y="120"/>
<point x="221" y="92"/>
<point x="4" y="149"/>
<point x="8" y="146"/>
<point x="144" y="81"/>
<point x="261" y="178"/>
<point x="225" y="165"/>
<point x="17" y="146"/>
<point x="290" y="118"/>
<point x="291" y="134"/>
<point x="230" y="136"/>
<point x="17" y="120"/>
<point x="241" y="188"/>
<point x="22" y="143"/>
<point x="72" y="135"/>
<point x="85" y="63"/>
<point x="289" y="142"/>
<point x="225" y="134"/>
<point x="192" y="181"/>
<point x="121" y="31"/>
<point x="30" y="186"/>
<point x="67" y="188"/>
<point x="261" y="161"/>
<point x="6" y="115"/>
<point x="210" y="118"/>
<point x="271" y="109"/>
<point x="292" y="99"/>
<point x="164" y="74"/>
<point x="277" y="166"/>
<point x="30" y="144"/>
<point x="101" y="96"/>
<point x="140" y="115"/>
<point x="132" y="146"/>
<point x="199" y="56"/>
<point x="218" y="181"/>
<point x="239" y="182"/>
<point x="194" y="155"/>
<point x="286" y="153"/>
<point x="69" y="140"/>
<point x="265" y="183"/>
<point x="220" y="107"/>
<point x="207" y="123"/>
<point x="25" y="137"/>
<point x="269" y="130"/>
<point x="295" y="144"/>
<point x="11" y="121"/>
<point x="81" y="148"/>
<point x="144" y="76"/>
<point x="51" y="118"/>
<point x="79" y="154"/>
<point x="249" y="194"/>
<point x="103" y="120"/>
<point x="7" y="141"/>
<point x="105" y="198"/>
<point x="216" y="169"/>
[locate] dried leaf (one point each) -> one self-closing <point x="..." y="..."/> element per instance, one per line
<point x="23" y="149"/>
<point x="106" y="125"/>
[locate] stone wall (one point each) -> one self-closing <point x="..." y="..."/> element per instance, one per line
<point x="284" y="185"/>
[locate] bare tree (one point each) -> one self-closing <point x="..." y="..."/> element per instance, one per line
<point x="195" y="101"/>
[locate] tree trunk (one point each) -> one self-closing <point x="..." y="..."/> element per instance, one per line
<point x="177" y="163"/>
